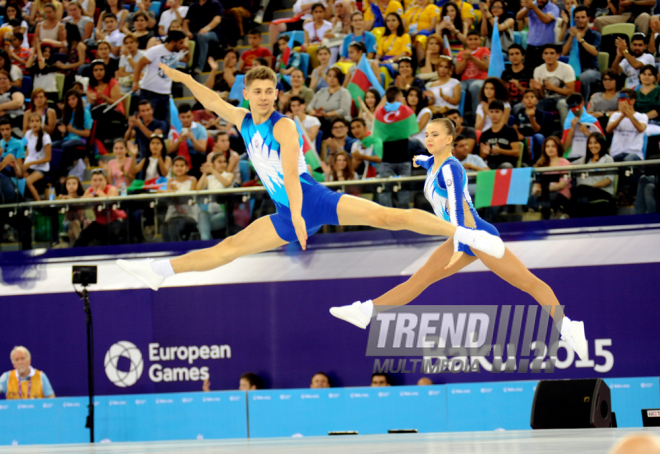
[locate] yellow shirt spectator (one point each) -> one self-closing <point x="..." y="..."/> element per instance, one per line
<point x="421" y="18"/>
<point x="392" y="45"/>
<point x="467" y="12"/>
<point x="387" y="7"/>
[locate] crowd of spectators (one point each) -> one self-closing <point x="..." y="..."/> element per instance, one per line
<point x="76" y="121"/>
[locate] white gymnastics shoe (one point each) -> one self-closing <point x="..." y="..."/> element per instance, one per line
<point x="352" y="314"/>
<point x="577" y="340"/>
<point x="141" y="269"/>
<point x="485" y="242"/>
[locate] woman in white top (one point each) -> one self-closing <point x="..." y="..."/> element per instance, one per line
<point x="591" y="186"/>
<point x="444" y="93"/>
<point x="14" y="12"/>
<point x="37" y="161"/>
<point x="157" y="165"/>
<point x="180" y="217"/>
<point x="416" y="102"/>
<point x="492" y="89"/>
<point x="316" y="30"/>
<point x="214" y="176"/>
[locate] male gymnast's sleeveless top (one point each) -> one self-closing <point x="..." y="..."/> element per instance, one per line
<point x="264" y="152"/>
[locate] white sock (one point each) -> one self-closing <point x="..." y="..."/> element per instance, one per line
<point x="462" y="235"/>
<point x="367" y="307"/>
<point x="565" y="326"/>
<point x="162" y="268"/>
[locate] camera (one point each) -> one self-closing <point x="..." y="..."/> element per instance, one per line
<point x="84" y="275"/>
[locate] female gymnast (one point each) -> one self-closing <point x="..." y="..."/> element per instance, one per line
<point x="446" y="189"/>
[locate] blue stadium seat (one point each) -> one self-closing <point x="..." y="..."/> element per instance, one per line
<point x="155" y="7"/>
<point x="318" y="141"/>
<point x="304" y="63"/>
<point x="26" y="87"/>
<point x="461" y="105"/>
<point x="244" y="167"/>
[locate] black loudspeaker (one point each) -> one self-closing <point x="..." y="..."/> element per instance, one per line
<point x="571" y="404"/>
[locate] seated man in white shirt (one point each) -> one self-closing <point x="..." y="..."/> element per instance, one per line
<point x="627" y="127"/>
<point x="111" y="34"/>
<point x="629" y="62"/>
<point x="310" y="123"/>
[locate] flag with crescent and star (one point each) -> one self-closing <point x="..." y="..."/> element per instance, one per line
<point x="394" y="121"/>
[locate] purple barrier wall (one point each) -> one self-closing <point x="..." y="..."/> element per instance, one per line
<point x="283" y="330"/>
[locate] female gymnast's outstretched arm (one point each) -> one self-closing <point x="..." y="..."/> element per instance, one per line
<point x="446" y="190"/>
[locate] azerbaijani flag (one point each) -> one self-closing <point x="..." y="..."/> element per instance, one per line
<point x="496" y="64"/>
<point x="394" y="121"/>
<point x="503" y="187"/>
<point x="363" y="79"/>
<point x="374" y="148"/>
<point x="287" y="52"/>
<point x="574" y="55"/>
<point x="158" y="183"/>
<point x="312" y="158"/>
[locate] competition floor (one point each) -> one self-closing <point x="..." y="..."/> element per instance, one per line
<point x="583" y="441"/>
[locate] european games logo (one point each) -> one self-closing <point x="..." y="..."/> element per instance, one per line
<point x="119" y="377"/>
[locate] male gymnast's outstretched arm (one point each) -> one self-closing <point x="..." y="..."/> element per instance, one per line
<point x="207" y="97"/>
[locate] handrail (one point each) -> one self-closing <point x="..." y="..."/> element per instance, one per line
<point x="332" y="184"/>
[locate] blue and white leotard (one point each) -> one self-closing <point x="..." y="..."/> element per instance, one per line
<point x="319" y="203"/>
<point x="446" y="189"/>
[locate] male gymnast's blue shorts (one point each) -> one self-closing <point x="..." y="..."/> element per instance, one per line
<point x="319" y="208"/>
<point x="481" y="225"/>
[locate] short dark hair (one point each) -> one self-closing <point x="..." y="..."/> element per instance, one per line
<point x="532" y="91"/>
<point x="496" y="105"/>
<point x="19" y="36"/>
<point x="252" y="378"/>
<point x="632" y="94"/>
<point x="15" y="22"/>
<point x="574" y="98"/>
<point x="473" y="33"/>
<point x="262" y="61"/>
<point x="452" y="112"/>
<point x="174" y="36"/>
<point x="300" y="99"/>
<point x="316" y="5"/>
<point x="254" y="31"/>
<point x="185" y="108"/>
<point x="517" y="46"/>
<point x="460" y="136"/>
<point x="110" y="16"/>
<point x="5" y="121"/>
<point x="581" y="8"/>
<point x="388" y="380"/>
<point x="340" y="120"/>
<point x="550" y="46"/>
<point x="359" y="120"/>
<point x="639" y="36"/>
<point x="359" y="45"/>
<point x="144" y="102"/>
<point x="392" y="92"/>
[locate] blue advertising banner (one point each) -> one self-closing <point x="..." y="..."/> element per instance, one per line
<point x="308" y="412"/>
<point x="139" y="417"/>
